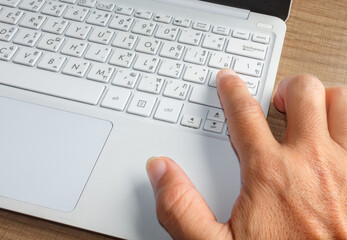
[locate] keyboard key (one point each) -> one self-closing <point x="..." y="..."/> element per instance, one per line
<point x="78" y="30"/>
<point x="125" y="10"/>
<point x="216" y="115"/>
<point x="142" y="104"/>
<point x="106" y="6"/>
<point x="202" y="26"/>
<point x="146" y="63"/>
<point x="261" y="38"/>
<point x="143" y="14"/>
<point x="248" y="66"/>
<point x="101" y="35"/>
<point x="7" y="32"/>
<point x="163" y="18"/>
<point x="151" y="84"/>
<point x="27" y="56"/>
<point x="172" y="50"/>
<point x="205" y="96"/>
<point x="182" y="22"/>
<point x="99" y="18"/>
<point x="74" y="48"/>
<point x="196" y="55"/>
<point x="76" y="67"/>
<point x="191" y="121"/>
<point x="27" y="37"/>
<point x="32" y="5"/>
<point x="55" y="25"/>
<point x="213" y="126"/>
<point x="69" y="1"/>
<point x="222" y="30"/>
<point x="122" y="23"/>
<point x="252" y="83"/>
<point x="126" y="78"/>
<point x="122" y="58"/>
<point x="124" y="40"/>
<point x="176" y="89"/>
<point x="51" y="62"/>
<point x="214" y="42"/>
<point x="212" y="81"/>
<point x="10" y="3"/>
<point x="87" y="3"/>
<point x="171" y="68"/>
<point x="64" y="87"/>
<point x="11" y="16"/>
<point x="144" y="27"/>
<point x="167" y="32"/>
<point x="190" y="36"/>
<point x="220" y="60"/>
<point x="148" y="45"/>
<point x="116" y="98"/>
<point x="247" y="49"/>
<point x="32" y="21"/>
<point x="196" y="74"/>
<point x="7" y="51"/>
<point x="54" y="8"/>
<point x="76" y="13"/>
<point x="241" y="34"/>
<point x="50" y="42"/>
<point x="98" y="53"/>
<point x="168" y="111"/>
<point x="100" y="72"/>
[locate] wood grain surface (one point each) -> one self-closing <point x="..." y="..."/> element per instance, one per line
<point x="316" y="43"/>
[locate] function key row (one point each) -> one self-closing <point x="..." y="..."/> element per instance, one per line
<point x="79" y="13"/>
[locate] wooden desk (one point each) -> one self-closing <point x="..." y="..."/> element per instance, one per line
<point x="316" y="43"/>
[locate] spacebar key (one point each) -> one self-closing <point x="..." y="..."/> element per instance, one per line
<point x="205" y="96"/>
<point x="53" y="84"/>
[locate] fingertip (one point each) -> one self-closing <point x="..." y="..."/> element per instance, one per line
<point x="156" y="168"/>
<point x="278" y="102"/>
<point x="224" y="73"/>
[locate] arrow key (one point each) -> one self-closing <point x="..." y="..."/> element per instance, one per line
<point x="216" y="115"/>
<point x="191" y="121"/>
<point x="213" y="126"/>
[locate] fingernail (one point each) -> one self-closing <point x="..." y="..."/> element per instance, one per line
<point x="225" y="72"/>
<point x="156" y="168"/>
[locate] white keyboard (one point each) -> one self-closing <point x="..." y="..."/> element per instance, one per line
<point x="129" y="60"/>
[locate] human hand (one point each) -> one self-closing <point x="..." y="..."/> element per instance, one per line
<point x="296" y="189"/>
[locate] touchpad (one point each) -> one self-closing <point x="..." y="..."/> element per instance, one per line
<point x="47" y="155"/>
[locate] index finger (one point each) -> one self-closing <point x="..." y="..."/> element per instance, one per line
<point x="248" y="128"/>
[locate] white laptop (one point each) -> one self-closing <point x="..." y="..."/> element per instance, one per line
<point x="89" y="90"/>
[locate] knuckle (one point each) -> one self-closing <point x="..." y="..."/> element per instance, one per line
<point x="173" y="202"/>
<point x="307" y="82"/>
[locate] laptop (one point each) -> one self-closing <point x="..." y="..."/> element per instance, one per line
<point x="89" y="90"/>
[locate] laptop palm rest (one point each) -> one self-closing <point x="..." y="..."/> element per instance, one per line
<point x="47" y="155"/>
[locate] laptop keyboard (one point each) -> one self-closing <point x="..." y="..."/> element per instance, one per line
<point x="152" y="65"/>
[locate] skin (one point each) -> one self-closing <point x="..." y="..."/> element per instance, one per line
<point x="296" y="189"/>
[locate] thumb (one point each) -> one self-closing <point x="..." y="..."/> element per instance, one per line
<point x="181" y="209"/>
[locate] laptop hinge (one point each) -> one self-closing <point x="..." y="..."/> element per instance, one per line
<point x="211" y="7"/>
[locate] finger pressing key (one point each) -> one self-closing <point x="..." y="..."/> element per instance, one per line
<point x="248" y="128"/>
